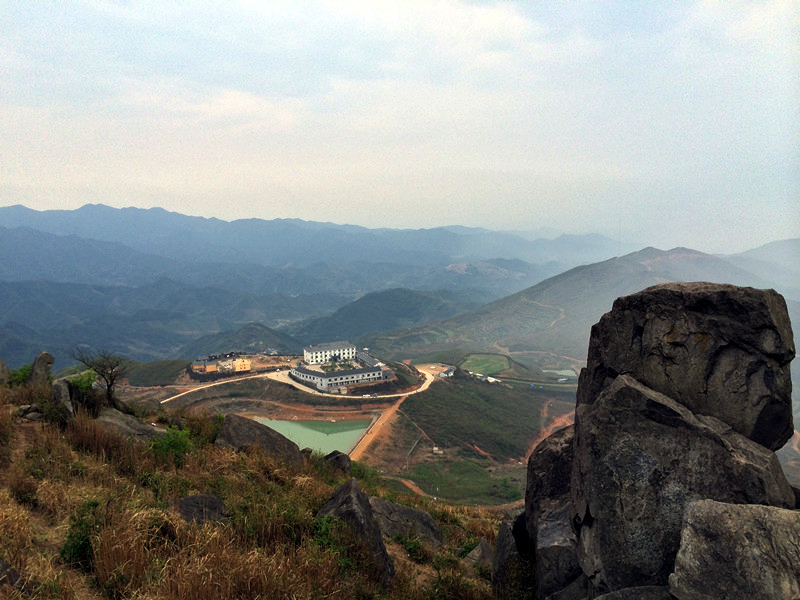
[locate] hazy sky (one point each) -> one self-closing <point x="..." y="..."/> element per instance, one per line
<point x="674" y="123"/>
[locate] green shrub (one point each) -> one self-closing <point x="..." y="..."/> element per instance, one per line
<point x="417" y="551"/>
<point x="83" y="392"/>
<point x="83" y="525"/>
<point x="173" y="445"/>
<point x="21" y="376"/>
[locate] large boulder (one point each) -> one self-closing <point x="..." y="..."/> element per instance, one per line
<point x="548" y="513"/>
<point x="640" y="458"/>
<point x="128" y="425"/>
<point x="352" y="505"/>
<point x="240" y="432"/>
<point x="40" y="372"/>
<point x="719" y="350"/>
<point x="5" y="373"/>
<point x="737" y="552"/>
<point x="397" y="520"/>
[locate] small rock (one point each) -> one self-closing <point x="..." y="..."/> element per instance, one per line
<point x="405" y="521"/>
<point x="339" y="460"/>
<point x="201" y="508"/>
<point x="352" y="505"/>
<point x="480" y="555"/>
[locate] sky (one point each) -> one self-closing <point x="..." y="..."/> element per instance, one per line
<point x="664" y="123"/>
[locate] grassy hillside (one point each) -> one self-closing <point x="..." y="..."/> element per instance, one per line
<point x="86" y="514"/>
<point x="253" y="338"/>
<point x="160" y="372"/>
<point x="548" y="324"/>
<point x="382" y="311"/>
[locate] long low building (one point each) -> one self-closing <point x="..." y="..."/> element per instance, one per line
<point x="335" y="379"/>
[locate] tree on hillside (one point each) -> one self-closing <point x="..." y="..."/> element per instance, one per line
<point x="108" y="367"/>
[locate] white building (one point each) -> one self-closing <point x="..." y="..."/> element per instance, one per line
<point x="319" y="354"/>
<point x="341" y="379"/>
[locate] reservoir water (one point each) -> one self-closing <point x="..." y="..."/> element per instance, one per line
<point x="322" y="436"/>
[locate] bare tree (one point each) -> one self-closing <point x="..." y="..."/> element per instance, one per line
<point x="108" y="367"/>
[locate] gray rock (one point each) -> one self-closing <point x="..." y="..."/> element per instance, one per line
<point x="61" y="396"/>
<point x="640" y="458"/>
<point x="650" y="592"/>
<point x="512" y="563"/>
<point x="737" y="552"/>
<point x="239" y="432"/>
<point x="577" y="590"/>
<point x="405" y="521"/>
<point x="548" y="513"/>
<point x="128" y="425"/>
<point x="201" y="508"/>
<point x="5" y="373"/>
<point x="339" y="460"/>
<point x="352" y="505"/>
<point x="480" y="555"/>
<point x="719" y="350"/>
<point x="8" y="576"/>
<point x="34" y="415"/>
<point x="40" y="372"/>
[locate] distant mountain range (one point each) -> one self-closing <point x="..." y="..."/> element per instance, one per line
<point x="549" y="323"/>
<point x="153" y="284"/>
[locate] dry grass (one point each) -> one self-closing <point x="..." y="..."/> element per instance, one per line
<point x="271" y="547"/>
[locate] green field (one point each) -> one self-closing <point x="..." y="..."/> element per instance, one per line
<point x="466" y="481"/>
<point x="485" y="364"/>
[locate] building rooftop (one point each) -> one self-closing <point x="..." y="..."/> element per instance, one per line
<point x="328" y="346"/>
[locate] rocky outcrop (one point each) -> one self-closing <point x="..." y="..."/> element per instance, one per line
<point x="352" y="505"/>
<point x="548" y="513"/>
<point x="685" y="395"/>
<point x="737" y="552"/>
<point x="239" y="432"/>
<point x="640" y="457"/>
<point x="719" y="350"/>
<point x="397" y="520"/>
<point x="5" y="373"/>
<point x="128" y="425"/>
<point x="40" y="372"/>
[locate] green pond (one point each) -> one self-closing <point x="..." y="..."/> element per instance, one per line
<point x="323" y="436"/>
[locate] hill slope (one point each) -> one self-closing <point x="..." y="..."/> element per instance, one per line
<point x="549" y="323"/>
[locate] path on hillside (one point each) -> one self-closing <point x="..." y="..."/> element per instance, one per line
<point x="283" y="377"/>
<point x="545" y="429"/>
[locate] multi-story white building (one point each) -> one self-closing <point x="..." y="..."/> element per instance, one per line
<point x="319" y="354"/>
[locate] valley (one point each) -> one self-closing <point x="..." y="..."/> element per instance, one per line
<point x="163" y="289"/>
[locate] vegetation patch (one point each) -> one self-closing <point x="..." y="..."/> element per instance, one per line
<point x="159" y="372"/>
<point x="497" y="419"/>
<point x="465" y="481"/>
<point x="486" y="364"/>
